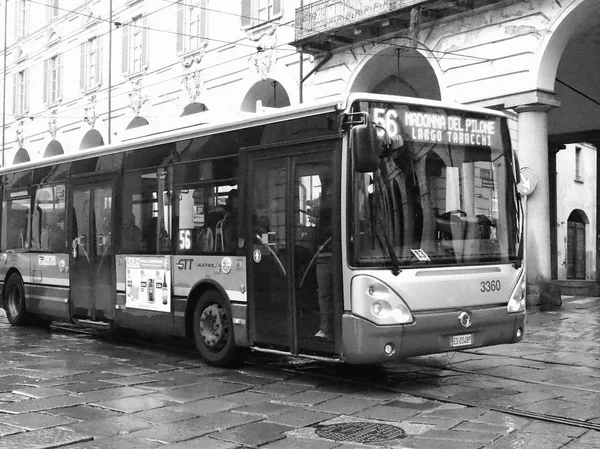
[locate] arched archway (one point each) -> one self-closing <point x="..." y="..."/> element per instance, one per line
<point x="397" y="71"/>
<point x="269" y="92"/>
<point x="92" y="139"/>
<point x="136" y="122"/>
<point x="576" y="253"/>
<point x="54" y="148"/>
<point x="194" y="108"/>
<point x="21" y="156"/>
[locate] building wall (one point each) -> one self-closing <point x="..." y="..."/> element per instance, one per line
<point x="576" y="193"/>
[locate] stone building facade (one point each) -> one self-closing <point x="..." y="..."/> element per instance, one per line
<point x="81" y="74"/>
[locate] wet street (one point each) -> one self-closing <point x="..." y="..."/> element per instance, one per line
<point x="64" y="388"/>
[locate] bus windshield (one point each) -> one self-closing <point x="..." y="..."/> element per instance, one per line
<point x="447" y="196"/>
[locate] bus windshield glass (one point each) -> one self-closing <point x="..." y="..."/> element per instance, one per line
<point x="446" y="196"/>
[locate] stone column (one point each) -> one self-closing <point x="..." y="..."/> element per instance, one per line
<point x="533" y="153"/>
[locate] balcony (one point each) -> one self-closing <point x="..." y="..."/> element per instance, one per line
<point x="326" y="25"/>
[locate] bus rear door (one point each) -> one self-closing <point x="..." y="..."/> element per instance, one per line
<point x="91" y="259"/>
<point x="294" y="294"/>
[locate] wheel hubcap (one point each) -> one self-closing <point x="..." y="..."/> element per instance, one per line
<point x="214" y="328"/>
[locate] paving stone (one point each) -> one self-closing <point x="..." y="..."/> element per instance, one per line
<point x="112" y="393"/>
<point x="33" y="405"/>
<point x="44" y="438"/>
<point x="133" y="404"/>
<point x="117" y="442"/>
<point x="254" y="434"/>
<point x="203" y="443"/>
<point x="530" y="441"/>
<point x="421" y="442"/>
<point x="309" y="397"/>
<point x="34" y="421"/>
<point x="85" y="412"/>
<point x="301" y="443"/>
<point x="458" y="435"/>
<point x="8" y="430"/>
<point x="386" y="413"/>
<point x="346" y="405"/>
<point x="282" y="388"/>
<point x="105" y="427"/>
<point x="163" y="415"/>
<point x="39" y="392"/>
<point x="194" y="428"/>
<point x="207" y="406"/>
<point x="202" y="391"/>
<point x="299" y="417"/>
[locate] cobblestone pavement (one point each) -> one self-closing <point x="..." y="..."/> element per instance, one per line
<point x="77" y="390"/>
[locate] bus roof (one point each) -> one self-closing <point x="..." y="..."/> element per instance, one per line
<point x="208" y="123"/>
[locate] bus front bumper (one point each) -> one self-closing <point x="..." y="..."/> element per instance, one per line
<point x="429" y="333"/>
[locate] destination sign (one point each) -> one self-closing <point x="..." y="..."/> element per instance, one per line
<point x="436" y="126"/>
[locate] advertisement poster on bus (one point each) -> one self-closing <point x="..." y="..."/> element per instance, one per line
<point x="148" y="283"/>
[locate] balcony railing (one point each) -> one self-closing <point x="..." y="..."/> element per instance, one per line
<point x="324" y="15"/>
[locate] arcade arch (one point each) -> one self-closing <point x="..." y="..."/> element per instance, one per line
<point x="54" y="148"/>
<point x="269" y="92"/>
<point x="21" y="156"/>
<point x="395" y="68"/>
<point x="91" y="139"/>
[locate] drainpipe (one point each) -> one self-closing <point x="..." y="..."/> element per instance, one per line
<point x="4" y="85"/>
<point x="301" y="61"/>
<point x="110" y="24"/>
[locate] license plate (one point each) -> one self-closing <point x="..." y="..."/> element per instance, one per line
<point x="461" y="340"/>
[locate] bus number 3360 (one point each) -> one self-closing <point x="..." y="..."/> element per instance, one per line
<point x="490" y="286"/>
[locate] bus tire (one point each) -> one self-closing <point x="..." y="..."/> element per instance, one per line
<point x="14" y="300"/>
<point x="213" y="330"/>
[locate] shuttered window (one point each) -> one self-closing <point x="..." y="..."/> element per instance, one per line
<point x="91" y="64"/>
<point x="135" y="46"/>
<point x="257" y="12"/>
<point x="192" y="25"/>
<point x="21" y="92"/>
<point x="53" y="79"/>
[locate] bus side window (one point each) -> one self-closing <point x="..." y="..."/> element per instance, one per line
<point x="15" y="214"/>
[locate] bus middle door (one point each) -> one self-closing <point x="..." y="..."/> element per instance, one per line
<point x="293" y="283"/>
<point x="91" y="259"/>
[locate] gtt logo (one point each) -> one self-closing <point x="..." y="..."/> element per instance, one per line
<point x="184" y="264"/>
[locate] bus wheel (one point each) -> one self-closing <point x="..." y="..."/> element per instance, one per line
<point x="213" y="330"/>
<point x="14" y="300"/>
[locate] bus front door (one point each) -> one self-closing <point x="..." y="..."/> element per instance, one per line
<point x="293" y="285"/>
<point x="91" y="258"/>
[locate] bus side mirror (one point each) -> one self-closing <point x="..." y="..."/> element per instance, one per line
<point x="365" y="147"/>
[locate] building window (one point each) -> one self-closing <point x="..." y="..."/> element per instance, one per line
<point x="21" y="93"/>
<point x="52" y="79"/>
<point x="135" y="45"/>
<point x="257" y="12"/>
<point x="578" y="176"/>
<point x="21" y="19"/>
<point x="192" y="25"/>
<point x="91" y="62"/>
<point x="52" y="10"/>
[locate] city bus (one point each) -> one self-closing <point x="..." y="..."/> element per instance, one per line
<point x="360" y="230"/>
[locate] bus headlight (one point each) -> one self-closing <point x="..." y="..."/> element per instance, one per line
<point x="517" y="302"/>
<point x="376" y="302"/>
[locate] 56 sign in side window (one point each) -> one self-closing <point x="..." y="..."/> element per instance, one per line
<point x="490" y="286"/>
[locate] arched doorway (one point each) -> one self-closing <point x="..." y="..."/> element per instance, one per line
<point x="398" y="71"/>
<point x="269" y="92"/>
<point x="54" y="148"/>
<point x="21" y="156"/>
<point x="576" y="260"/>
<point x="92" y="139"/>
